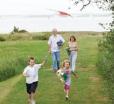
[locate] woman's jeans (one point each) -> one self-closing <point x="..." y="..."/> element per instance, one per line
<point x="73" y="57"/>
<point x="56" y="60"/>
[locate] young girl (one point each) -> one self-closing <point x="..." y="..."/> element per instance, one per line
<point x="31" y="74"/>
<point x="67" y="77"/>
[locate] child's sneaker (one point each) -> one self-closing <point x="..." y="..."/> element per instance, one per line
<point x="67" y="98"/>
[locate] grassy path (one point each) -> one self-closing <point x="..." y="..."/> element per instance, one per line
<point x="7" y="86"/>
<point x="89" y="88"/>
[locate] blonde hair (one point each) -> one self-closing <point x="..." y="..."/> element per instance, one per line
<point x="65" y="61"/>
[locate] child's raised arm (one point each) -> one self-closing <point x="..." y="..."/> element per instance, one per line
<point x="44" y="61"/>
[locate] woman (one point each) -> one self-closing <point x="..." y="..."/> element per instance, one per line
<point x="73" y="48"/>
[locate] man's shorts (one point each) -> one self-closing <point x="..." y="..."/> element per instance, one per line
<point x="31" y="88"/>
<point x="67" y="87"/>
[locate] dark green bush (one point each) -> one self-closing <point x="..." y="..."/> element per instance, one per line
<point x="106" y="61"/>
<point x="2" y="38"/>
<point x="43" y="36"/>
<point x="19" y="36"/>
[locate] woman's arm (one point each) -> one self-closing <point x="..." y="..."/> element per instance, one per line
<point x="77" y="46"/>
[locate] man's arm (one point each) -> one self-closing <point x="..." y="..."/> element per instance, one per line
<point x="49" y="48"/>
<point x="49" y="45"/>
<point x="62" y="39"/>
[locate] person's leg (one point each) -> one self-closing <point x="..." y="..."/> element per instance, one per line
<point x="58" y="59"/>
<point x="54" y="61"/>
<point x="73" y="64"/>
<point x="70" y="58"/>
<point x="28" y="87"/>
<point x="67" y="93"/>
<point x="29" y="98"/>
<point x="33" y="88"/>
<point x="33" y="98"/>
<point x="67" y="89"/>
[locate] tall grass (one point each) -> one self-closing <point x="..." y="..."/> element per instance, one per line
<point x="14" y="56"/>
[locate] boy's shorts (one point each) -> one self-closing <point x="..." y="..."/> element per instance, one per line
<point x="31" y="88"/>
<point x="67" y="87"/>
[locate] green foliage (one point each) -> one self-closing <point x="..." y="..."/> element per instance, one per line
<point x="43" y="36"/>
<point x="27" y="36"/>
<point x="16" y="30"/>
<point x="2" y="38"/>
<point x="106" y="61"/>
<point x="19" y="36"/>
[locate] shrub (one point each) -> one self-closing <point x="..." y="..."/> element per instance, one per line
<point x="19" y="36"/>
<point x="2" y="38"/>
<point x="43" y="36"/>
<point x="106" y="61"/>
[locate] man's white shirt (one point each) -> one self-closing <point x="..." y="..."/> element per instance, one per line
<point x="53" y="42"/>
<point x="31" y="73"/>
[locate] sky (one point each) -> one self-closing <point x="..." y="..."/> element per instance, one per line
<point x="35" y="7"/>
<point x="9" y="8"/>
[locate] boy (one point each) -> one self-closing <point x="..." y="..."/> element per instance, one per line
<point x="31" y="74"/>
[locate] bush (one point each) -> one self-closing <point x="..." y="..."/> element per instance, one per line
<point x="2" y="38"/>
<point x="106" y="61"/>
<point x="19" y="36"/>
<point x="43" y="36"/>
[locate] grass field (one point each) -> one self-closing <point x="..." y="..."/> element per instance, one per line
<point x="89" y="88"/>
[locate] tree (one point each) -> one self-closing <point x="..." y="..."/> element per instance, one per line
<point x="102" y="4"/>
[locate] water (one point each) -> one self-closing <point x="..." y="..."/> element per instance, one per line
<point x="38" y="24"/>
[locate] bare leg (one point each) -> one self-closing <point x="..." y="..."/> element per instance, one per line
<point x="29" y="98"/>
<point x="33" y="98"/>
<point x="67" y="94"/>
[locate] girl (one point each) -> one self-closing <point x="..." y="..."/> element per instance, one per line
<point x="67" y="77"/>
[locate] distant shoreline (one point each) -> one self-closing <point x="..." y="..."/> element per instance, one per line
<point x="80" y="32"/>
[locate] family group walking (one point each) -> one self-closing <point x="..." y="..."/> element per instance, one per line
<point x="55" y="42"/>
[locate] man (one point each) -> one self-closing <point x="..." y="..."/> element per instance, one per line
<point x="55" y="42"/>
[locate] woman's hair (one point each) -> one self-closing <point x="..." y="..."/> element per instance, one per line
<point x="66" y="61"/>
<point x="72" y="37"/>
